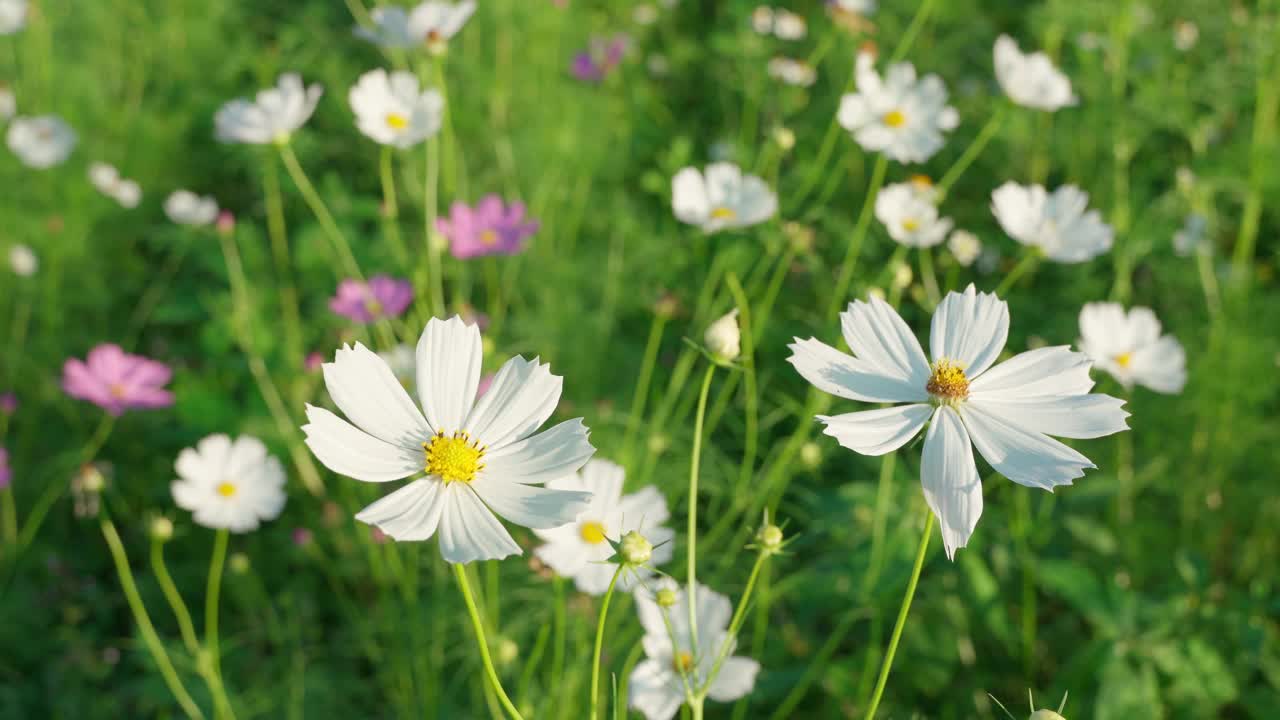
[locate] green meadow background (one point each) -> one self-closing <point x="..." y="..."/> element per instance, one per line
<point x="1147" y="590"/>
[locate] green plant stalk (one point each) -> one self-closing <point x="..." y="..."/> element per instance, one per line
<point x="171" y="594"/>
<point x="431" y="195"/>
<point x="972" y="152"/>
<point x="640" y="397"/>
<point x="280" y="256"/>
<point x="929" y="278"/>
<point x="1028" y="615"/>
<point x="477" y="624"/>
<point x="902" y="618"/>
<point x="599" y="647"/>
<point x="212" y="590"/>
<point x="54" y="490"/>
<point x="692" y="593"/>
<point x="751" y="393"/>
<point x="913" y="31"/>
<point x="1030" y="259"/>
<point x="391" y="209"/>
<point x="1262" y="142"/>
<point x="320" y="210"/>
<point x="816" y="667"/>
<point x="845" y="276"/>
<point x="149" y="636"/>
<point x="735" y="624"/>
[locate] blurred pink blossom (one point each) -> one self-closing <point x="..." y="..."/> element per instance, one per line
<point x="116" y="381"/>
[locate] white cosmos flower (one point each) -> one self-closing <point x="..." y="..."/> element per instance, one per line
<point x="8" y="103"/>
<point x="861" y="7"/>
<point x="186" y="208"/>
<point x="1131" y="348"/>
<point x="107" y="180"/>
<point x="792" y="72"/>
<point x="581" y="549"/>
<point x="762" y="19"/>
<point x="41" y="142"/>
<point x="23" y="260"/>
<point x="431" y="24"/>
<point x="656" y="687"/>
<point x="788" y="25"/>
<point x="13" y="16"/>
<point x="229" y="484"/>
<point x="273" y="114"/>
<point x="481" y="456"/>
<point x="908" y="212"/>
<point x="128" y="193"/>
<point x="1057" y="223"/>
<point x="721" y="198"/>
<point x="965" y="247"/>
<point x="1007" y="412"/>
<point x="391" y="109"/>
<point x="899" y="115"/>
<point x="1031" y="80"/>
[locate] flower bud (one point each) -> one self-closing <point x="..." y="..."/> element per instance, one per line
<point x="770" y="538"/>
<point x="508" y="651"/>
<point x="161" y="528"/>
<point x="239" y="563"/>
<point x="1045" y="715"/>
<point x="226" y="223"/>
<point x="810" y="455"/>
<point x="635" y="549"/>
<point x="667" y="597"/>
<point x="784" y="137"/>
<point x="901" y="275"/>
<point x="724" y="338"/>
<point x="667" y="306"/>
<point x="23" y="260"/>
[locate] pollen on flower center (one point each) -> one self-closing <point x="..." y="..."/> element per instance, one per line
<point x="723" y="213"/>
<point x="911" y="225"/>
<point x="226" y="489"/>
<point x="396" y="121"/>
<point x="488" y="237"/>
<point x="1124" y="359"/>
<point x="894" y="119"/>
<point x="592" y="532"/>
<point x="374" y="307"/>
<point x="453" y="457"/>
<point x="948" y="382"/>
<point x="117" y="390"/>
<point x="682" y="662"/>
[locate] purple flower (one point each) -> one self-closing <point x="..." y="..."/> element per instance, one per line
<point x="313" y="362"/>
<point x="598" y="60"/>
<point x="6" y="475"/>
<point x="381" y="297"/>
<point x="491" y="229"/>
<point x="116" y="381"/>
<point x="8" y="403"/>
<point x="302" y="537"/>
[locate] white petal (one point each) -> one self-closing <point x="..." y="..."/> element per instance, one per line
<point x="876" y="432"/>
<point x="449" y="360"/>
<point x="1161" y="366"/>
<point x="469" y="531"/>
<point x="187" y="495"/>
<point x="1047" y="371"/>
<point x="529" y="505"/>
<point x="550" y="454"/>
<point x="970" y="328"/>
<point x="523" y="395"/>
<point x="653" y="690"/>
<point x="689" y="197"/>
<point x="950" y="479"/>
<point x="834" y="372"/>
<point x="348" y="450"/>
<point x="737" y="677"/>
<point x="364" y="388"/>
<point x="410" y="513"/>
<point x="643" y="509"/>
<point x="1071" y="416"/>
<point x="1027" y="458"/>
<point x="565" y="558"/>
<point x="877" y="335"/>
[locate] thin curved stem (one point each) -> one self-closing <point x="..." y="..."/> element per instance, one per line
<point x="735" y="624"/>
<point x="902" y="618"/>
<point x="595" y="664"/>
<point x="212" y="591"/>
<point x="1029" y="260"/>
<point x="460" y="572"/>
<point x="149" y="636"/>
<point x="390" y="207"/>
<point x="320" y="210"/>
<point x="929" y="277"/>
<point x="845" y="276"/>
<point x="692" y="593"/>
<point x="641" y="396"/>
<point x="972" y="152"/>
<point x="171" y="594"/>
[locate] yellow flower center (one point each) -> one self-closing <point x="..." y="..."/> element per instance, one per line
<point x="683" y="662"/>
<point x="921" y="181"/>
<point x="396" y="121"/>
<point x="453" y="457"/>
<point x="911" y="225"/>
<point x="592" y="532"/>
<point x="116" y="390"/>
<point x="948" y="382"/>
<point x="1124" y="359"/>
<point x="374" y="307"/>
<point x="894" y="119"/>
<point x="226" y="489"/>
<point x="488" y="237"/>
<point x="723" y="213"/>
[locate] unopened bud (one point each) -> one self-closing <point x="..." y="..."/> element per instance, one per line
<point x="636" y="549"/>
<point x="161" y="528"/>
<point x="667" y="597"/>
<point x="770" y="538"/>
<point x="239" y="563"/>
<point x="1045" y="715"/>
<point x="784" y="137"/>
<point x="724" y="338"/>
<point x="226" y="223"/>
<point x="810" y="455"/>
<point x="667" y="306"/>
<point x="508" y="651"/>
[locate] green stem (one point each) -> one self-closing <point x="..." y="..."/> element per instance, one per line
<point x="595" y="665"/>
<point x="929" y="277"/>
<point x="431" y="196"/>
<point x="279" y="235"/>
<point x="212" y="590"/>
<point x="320" y="210"/>
<point x="1261" y="144"/>
<point x="751" y="391"/>
<point x="692" y="594"/>
<point x="971" y="153"/>
<point x="902" y="618"/>
<point x="912" y="31"/>
<point x="735" y="624"/>
<point x="845" y="276"/>
<point x="477" y="623"/>
<point x="391" y="209"/>
<point x="1029" y="260"/>
<point x="171" y="594"/>
<point x="149" y="636"/>
<point x="641" y="396"/>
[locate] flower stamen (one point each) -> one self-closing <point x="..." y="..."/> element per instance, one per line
<point x="396" y="121"/>
<point x="1124" y="359"/>
<point x="592" y="532"/>
<point x="226" y="489"/>
<point x="723" y="213"/>
<point x="894" y="119"/>
<point x="454" y="457"/>
<point x="948" y="382"/>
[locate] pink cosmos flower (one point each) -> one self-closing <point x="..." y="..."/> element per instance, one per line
<point x="8" y="403"/>
<point x="600" y="58"/>
<point x="313" y="362"/>
<point x="116" y="381"/>
<point x="490" y="229"/>
<point x="6" y="474"/>
<point x="302" y="537"/>
<point x="383" y="296"/>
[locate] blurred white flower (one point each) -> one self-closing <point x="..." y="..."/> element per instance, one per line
<point x="480" y="456"/>
<point x="1185" y="35"/>
<point x="656" y="688"/>
<point x="391" y="109"/>
<point x="964" y="246"/>
<point x="272" y="116"/>
<point x="1057" y="223"/>
<point x="431" y="25"/>
<point x="186" y="208"/>
<point x="644" y="14"/>
<point x="908" y="212"/>
<point x="8" y="103"/>
<point x="23" y="260"/>
<point x="1007" y="412"/>
<point x="788" y="25"/>
<point x="901" y="116"/>
<point x="581" y="549"/>
<point x="106" y="179"/>
<point x="860" y="7"/>
<point x="1130" y="347"/>
<point x="792" y="72"/>
<point x="1193" y="237"/>
<point x="13" y="16"/>
<point x="229" y="484"/>
<point x="658" y="65"/>
<point x="724" y="338"/>
<point x="1031" y="80"/>
<point x="128" y="193"/>
<point x="41" y="142"/>
<point x="721" y="198"/>
<point x="762" y="19"/>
